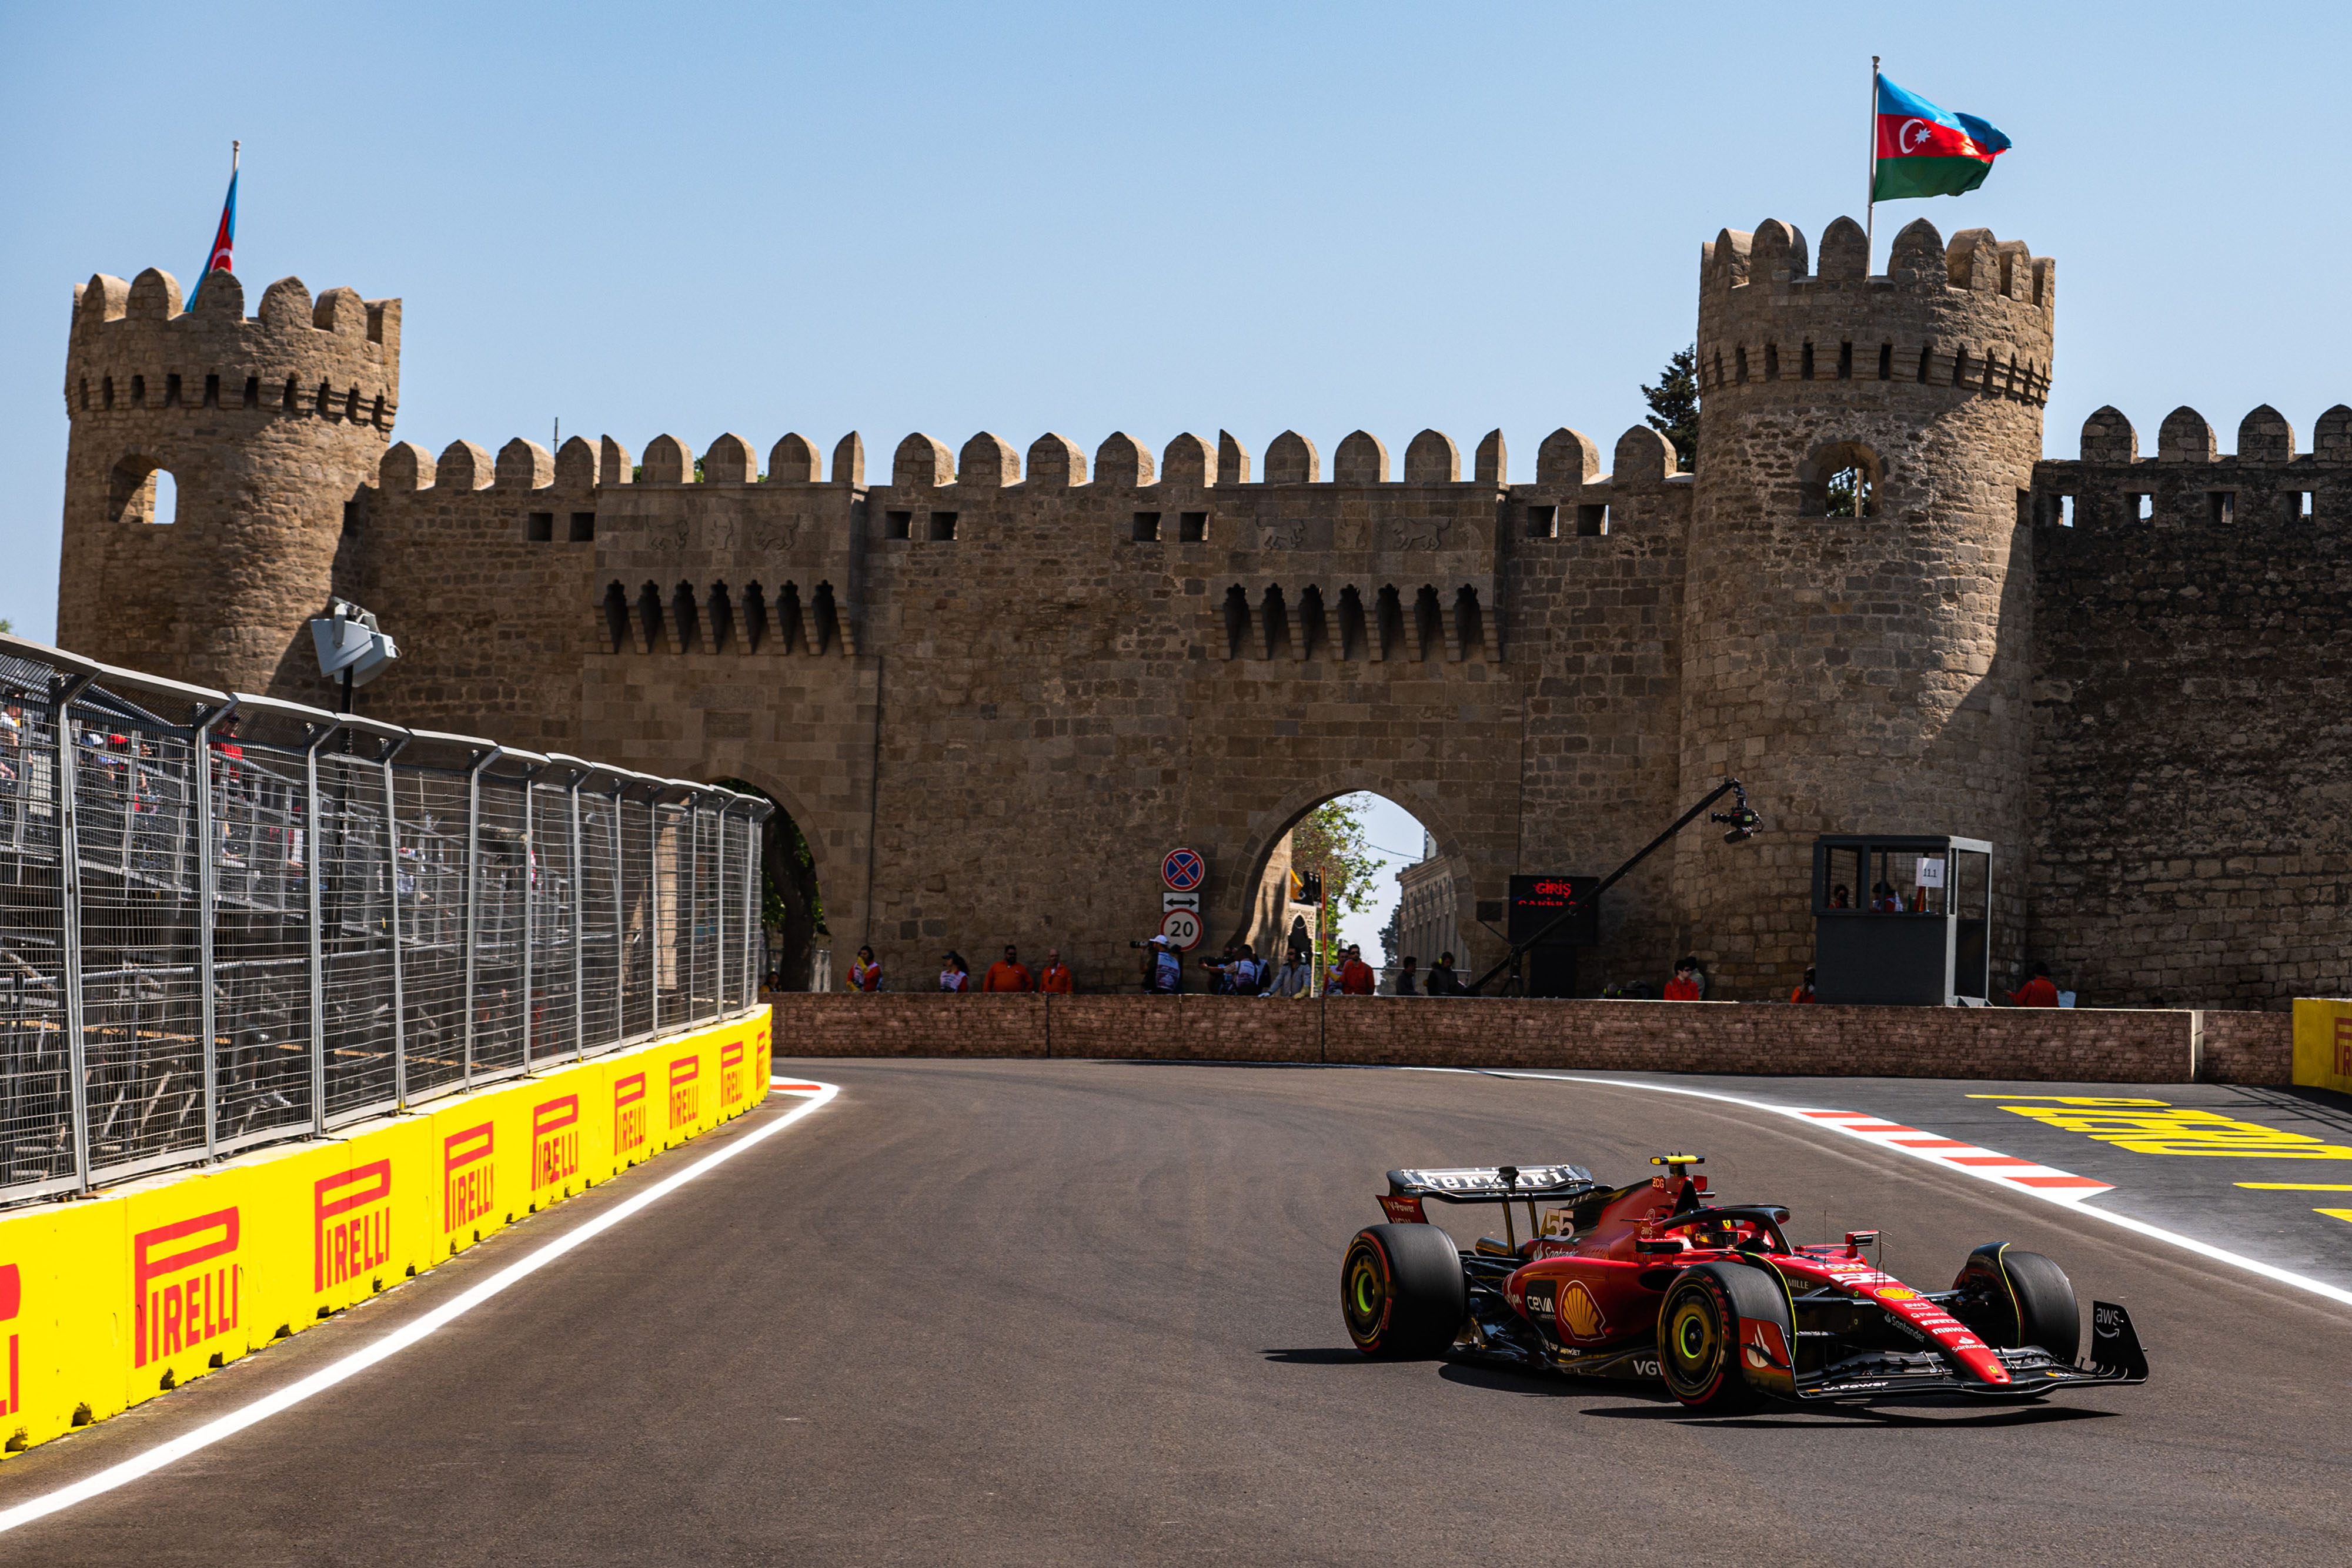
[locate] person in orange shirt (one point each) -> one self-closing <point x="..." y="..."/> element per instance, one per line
<point x="1054" y="978"/>
<point x="2037" y="992"/>
<point x="1356" y="977"/>
<point x="1805" y="992"/>
<point x="1007" y="973"/>
<point x="1684" y="986"/>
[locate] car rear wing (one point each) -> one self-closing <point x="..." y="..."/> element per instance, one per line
<point x="1494" y="1183"/>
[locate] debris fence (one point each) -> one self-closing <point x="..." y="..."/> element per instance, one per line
<point x="227" y="920"/>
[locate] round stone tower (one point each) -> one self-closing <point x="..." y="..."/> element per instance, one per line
<point x="1858" y="605"/>
<point x="268" y="428"/>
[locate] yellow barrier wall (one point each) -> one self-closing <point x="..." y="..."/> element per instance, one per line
<point x="2323" y="1043"/>
<point x="108" y="1300"/>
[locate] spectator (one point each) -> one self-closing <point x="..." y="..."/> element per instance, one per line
<point x="1241" y="974"/>
<point x="2037" y="992"/>
<point x="1408" y="984"/>
<point x="1356" y="977"/>
<point x="1840" y="898"/>
<point x="1882" y="900"/>
<point x="1163" y="969"/>
<point x="866" y="971"/>
<point x="1805" y="992"/>
<point x="954" y="976"/>
<point x="1008" y="973"/>
<point x="1686" y="985"/>
<point x="1290" y="978"/>
<point x="1054" y="979"/>
<point x="1443" y="981"/>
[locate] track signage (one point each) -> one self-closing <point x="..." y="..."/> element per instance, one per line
<point x="1183" y="870"/>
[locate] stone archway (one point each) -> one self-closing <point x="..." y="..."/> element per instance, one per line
<point x="791" y="900"/>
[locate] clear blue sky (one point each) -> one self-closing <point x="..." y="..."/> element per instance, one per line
<point x="756" y="218"/>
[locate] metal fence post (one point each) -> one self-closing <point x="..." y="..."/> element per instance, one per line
<point x="620" y="925"/>
<point x="207" y="890"/>
<point x="693" y="900"/>
<point x="653" y="909"/>
<point x="392" y="870"/>
<point x="311" y="880"/>
<point x="64" y="690"/>
<point x="474" y="890"/>
<point x="579" y="930"/>
<point x="530" y="897"/>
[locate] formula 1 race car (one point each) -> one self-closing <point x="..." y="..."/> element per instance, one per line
<point x="1656" y="1280"/>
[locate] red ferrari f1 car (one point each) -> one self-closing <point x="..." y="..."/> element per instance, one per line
<point x="1656" y="1280"/>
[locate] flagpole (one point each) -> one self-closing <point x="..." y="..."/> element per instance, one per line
<point x="1870" y="197"/>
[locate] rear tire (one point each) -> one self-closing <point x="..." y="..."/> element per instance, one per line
<point x="2013" y="1298"/>
<point x="1402" y="1291"/>
<point x="1698" y="1345"/>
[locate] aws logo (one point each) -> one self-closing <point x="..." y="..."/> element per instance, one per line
<point x="628" y="1113"/>
<point x="730" y="1073"/>
<point x="350" y="1224"/>
<point x="554" y="1142"/>
<point x="468" y="1179"/>
<point x="685" y="1091"/>
<point x="185" y="1281"/>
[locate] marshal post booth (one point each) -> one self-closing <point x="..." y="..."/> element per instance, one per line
<point x="1901" y="920"/>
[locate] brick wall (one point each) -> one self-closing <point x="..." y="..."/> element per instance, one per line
<point x="2057" y="1045"/>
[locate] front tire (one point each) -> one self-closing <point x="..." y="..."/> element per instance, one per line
<point x="1403" y="1290"/>
<point x="1698" y="1345"/>
<point x="2013" y="1298"/>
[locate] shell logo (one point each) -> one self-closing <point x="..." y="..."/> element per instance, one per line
<point x="1579" y="1315"/>
<point x="1897" y="1293"/>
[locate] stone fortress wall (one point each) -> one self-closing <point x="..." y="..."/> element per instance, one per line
<point x="994" y="685"/>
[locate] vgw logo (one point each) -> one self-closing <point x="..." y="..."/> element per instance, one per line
<point x="467" y="1176"/>
<point x="730" y="1073"/>
<point x="179" y="1298"/>
<point x="685" y="1091"/>
<point x="628" y="1113"/>
<point x="554" y="1142"/>
<point x="350" y="1228"/>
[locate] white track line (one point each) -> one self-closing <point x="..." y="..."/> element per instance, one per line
<point x="400" y="1339"/>
<point x="1880" y="1134"/>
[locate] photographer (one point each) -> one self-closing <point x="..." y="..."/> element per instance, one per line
<point x="1163" y="970"/>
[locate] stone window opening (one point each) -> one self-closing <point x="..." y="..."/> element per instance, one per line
<point x="1468" y="632"/>
<point x="898" y="525"/>
<point x="2062" y="510"/>
<point x="1846" y="361"/>
<point x="1543" y="522"/>
<point x="1771" y="362"/>
<point x="1839" y="479"/>
<point x="376" y="416"/>
<point x="943" y="527"/>
<point x="722" y="630"/>
<point x="791" y="624"/>
<point x="1805" y="363"/>
<point x="649" y="616"/>
<point x="1591" y="522"/>
<point x="1350" y="641"/>
<point x="351" y="406"/>
<point x="85" y="391"/>
<point x="109" y="391"/>
<point x="1313" y="629"/>
<point x="212" y="392"/>
<point x="293" y="392"/>
<point x="685" y="619"/>
<point x="1428" y="622"/>
<point x="2140" y="506"/>
<point x="253" y="391"/>
<point x="1192" y="528"/>
<point x="1885" y="362"/>
<point x="2303" y="505"/>
<point x="1276" y="623"/>
<point x="172" y="391"/>
<point x="539" y="528"/>
<point x="1926" y="354"/>
<point x="583" y="528"/>
<point x="1388" y="622"/>
<point x="1237" y="618"/>
<point x="138" y="392"/>
<point x="1960" y="366"/>
<point x="616" y="617"/>
<point x="1741" y="352"/>
<point x="1718" y="366"/>
<point x="143" y="492"/>
<point x="2221" y="506"/>
<point x="751" y="624"/>
<point x="324" y="402"/>
<point x="1147" y="527"/>
<point x="822" y="626"/>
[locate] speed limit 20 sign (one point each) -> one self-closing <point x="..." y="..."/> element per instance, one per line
<point x="1182" y="929"/>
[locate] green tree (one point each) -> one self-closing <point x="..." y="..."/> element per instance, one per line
<point x="1674" y="405"/>
<point x="7" y="624"/>
<point x="1332" y="836"/>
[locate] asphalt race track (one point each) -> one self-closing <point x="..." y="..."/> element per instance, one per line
<point x="1088" y="1312"/>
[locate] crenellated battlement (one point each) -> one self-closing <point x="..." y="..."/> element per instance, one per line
<point x="135" y="348"/>
<point x="2188" y="482"/>
<point x="1972" y="317"/>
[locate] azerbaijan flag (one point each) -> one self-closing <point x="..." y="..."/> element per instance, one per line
<point x="1924" y="151"/>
